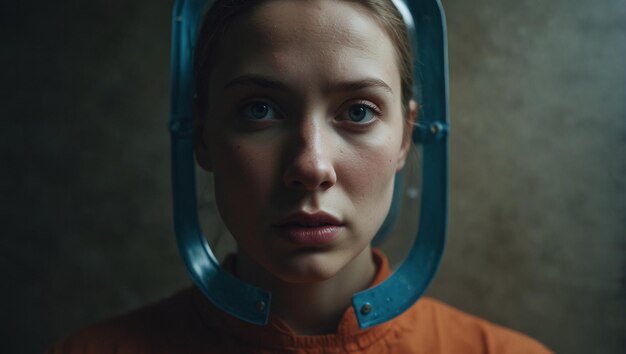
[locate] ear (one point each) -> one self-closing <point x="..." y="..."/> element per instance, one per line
<point x="200" y="145"/>
<point x="406" y="136"/>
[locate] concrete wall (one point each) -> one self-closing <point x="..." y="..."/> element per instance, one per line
<point x="538" y="186"/>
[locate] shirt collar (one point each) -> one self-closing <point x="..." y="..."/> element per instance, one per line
<point x="277" y="334"/>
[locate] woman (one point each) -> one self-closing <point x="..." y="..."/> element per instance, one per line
<point x="303" y="115"/>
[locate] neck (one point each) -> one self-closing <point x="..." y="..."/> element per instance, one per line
<point x="312" y="308"/>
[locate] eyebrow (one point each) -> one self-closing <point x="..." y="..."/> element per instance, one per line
<point x="363" y="84"/>
<point x="265" y="82"/>
<point x="256" y="80"/>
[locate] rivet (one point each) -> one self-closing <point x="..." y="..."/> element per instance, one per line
<point x="366" y="309"/>
<point x="435" y="128"/>
<point x="260" y="305"/>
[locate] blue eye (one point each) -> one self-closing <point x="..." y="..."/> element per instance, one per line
<point x="258" y="111"/>
<point x="361" y="113"/>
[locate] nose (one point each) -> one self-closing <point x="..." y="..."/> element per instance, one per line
<point x="310" y="166"/>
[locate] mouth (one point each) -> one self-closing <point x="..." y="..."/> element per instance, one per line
<point x="311" y="229"/>
<point x="303" y="219"/>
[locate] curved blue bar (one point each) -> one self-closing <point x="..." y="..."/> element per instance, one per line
<point x="400" y="291"/>
<point x="406" y="285"/>
<point x="240" y="299"/>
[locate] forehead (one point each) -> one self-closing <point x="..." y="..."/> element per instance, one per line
<point x="332" y="21"/>
<point x="330" y="37"/>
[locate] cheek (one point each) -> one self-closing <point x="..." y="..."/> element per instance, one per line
<point x="369" y="177"/>
<point x="243" y="175"/>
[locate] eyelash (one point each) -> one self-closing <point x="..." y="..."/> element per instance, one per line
<point x="245" y="118"/>
<point x="344" y="119"/>
<point x="376" y="111"/>
<point x="371" y="105"/>
<point x="251" y="103"/>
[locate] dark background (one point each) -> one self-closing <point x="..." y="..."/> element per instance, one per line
<point x="538" y="186"/>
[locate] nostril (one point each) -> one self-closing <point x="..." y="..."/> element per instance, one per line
<point x="326" y="185"/>
<point x="310" y="167"/>
<point x="310" y="178"/>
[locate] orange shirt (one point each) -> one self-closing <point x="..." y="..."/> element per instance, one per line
<point x="188" y="323"/>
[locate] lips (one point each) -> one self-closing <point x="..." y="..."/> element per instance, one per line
<point x="312" y="229"/>
<point x="309" y="219"/>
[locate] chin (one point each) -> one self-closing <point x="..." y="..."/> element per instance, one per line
<point x="306" y="269"/>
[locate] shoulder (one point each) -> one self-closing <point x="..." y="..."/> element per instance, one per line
<point x="154" y="329"/>
<point x="454" y="331"/>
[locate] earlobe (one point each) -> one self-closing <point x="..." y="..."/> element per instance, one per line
<point x="200" y="145"/>
<point x="407" y="134"/>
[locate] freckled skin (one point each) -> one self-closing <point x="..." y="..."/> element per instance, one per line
<point x="308" y="160"/>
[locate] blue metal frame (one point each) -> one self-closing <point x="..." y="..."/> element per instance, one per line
<point x="426" y="21"/>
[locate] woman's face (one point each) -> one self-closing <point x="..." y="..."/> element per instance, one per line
<point x="304" y="134"/>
